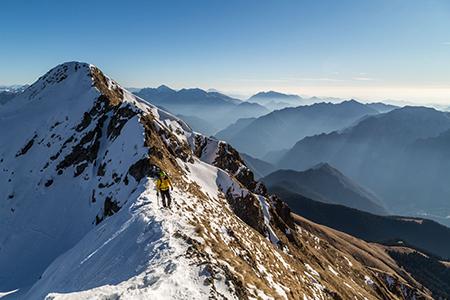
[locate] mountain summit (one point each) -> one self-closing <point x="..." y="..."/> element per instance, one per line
<point x="326" y="184"/>
<point x="80" y="218"/>
<point x="272" y="95"/>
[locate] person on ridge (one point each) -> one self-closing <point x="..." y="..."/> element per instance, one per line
<point x="163" y="185"/>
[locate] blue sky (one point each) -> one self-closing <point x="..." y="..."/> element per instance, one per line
<point x="372" y="50"/>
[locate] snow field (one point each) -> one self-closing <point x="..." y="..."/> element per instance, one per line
<point x="197" y="250"/>
<point x="139" y="247"/>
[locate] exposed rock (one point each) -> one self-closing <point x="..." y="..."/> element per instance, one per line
<point x="27" y="147"/>
<point x="101" y="170"/>
<point x="228" y="159"/>
<point x="248" y="208"/>
<point x="122" y="114"/>
<point x="110" y="207"/>
<point x="141" y="169"/>
<point x="80" y="169"/>
<point x="85" y="122"/>
<point x="200" y="143"/>
<point x="108" y="88"/>
<point x="86" y="150"/>
<point x="161" y="154"/>
<point x="283" y="210"/>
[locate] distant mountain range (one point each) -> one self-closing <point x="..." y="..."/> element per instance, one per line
<point x="214" y="107"/>
<point x="382" y="107"/>
<point x="259" y="167"/>
<point x="17" y="88"/>
<point x="186" y="97"/>
<point x="267" y="97"/>
<point x="221" y="110"/>
<point x="281" y="129"/>
<point x="326" y="184"/>
<point x="401" y="155"/>
<point x="200" y="125"/>
<point x="233" y="129"/>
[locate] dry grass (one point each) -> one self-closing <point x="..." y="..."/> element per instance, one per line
<point x="115" y="95"/>
<point x="371" y="255"/>
<point x="404" y="250"/>
<point x="158" y="153"/>
<point x="246" y="258"/>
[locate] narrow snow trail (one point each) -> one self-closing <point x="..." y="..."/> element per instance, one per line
<point x="139" y="251"/>
<point x="140" y="246"/>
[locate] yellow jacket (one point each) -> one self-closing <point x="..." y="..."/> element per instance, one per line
<point x="163" y="184"/>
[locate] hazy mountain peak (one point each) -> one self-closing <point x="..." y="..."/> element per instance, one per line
<point x="322" y="165"/>
<point x="352" y="101"/>
<point x="164" y="88"/>
<point x="273" y="94"/>
<point x="331" y="184"/>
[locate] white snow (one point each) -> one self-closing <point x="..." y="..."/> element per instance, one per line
<point x="313" y="272"/>
<point x="332" y="270"/>
<point x="348" y="285"/>
<point x="50" y="245"/>
<point x="348" y="261"/>
<point x="288" y="267"/>
<point x="136" y="245"/>
<point x="141" y="251"/>
<point x="266" y="209"/>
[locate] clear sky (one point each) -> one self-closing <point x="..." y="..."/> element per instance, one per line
<point x="371" y="49"/>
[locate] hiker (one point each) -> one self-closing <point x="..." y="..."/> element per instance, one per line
<point x="163" y="185"/>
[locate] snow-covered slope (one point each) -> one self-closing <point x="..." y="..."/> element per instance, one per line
<point x="79" y="216"/>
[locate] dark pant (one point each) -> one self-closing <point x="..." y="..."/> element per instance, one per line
<point x="165" y="194"/>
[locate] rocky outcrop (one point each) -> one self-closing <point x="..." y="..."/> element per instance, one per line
<point x="229" y="160"/>
<point x="283" y="210"/>
<point x="27" y="147"/>
<point x="248" y="208"/>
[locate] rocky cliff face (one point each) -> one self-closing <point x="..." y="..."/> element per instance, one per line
<point x="80" y="218"/>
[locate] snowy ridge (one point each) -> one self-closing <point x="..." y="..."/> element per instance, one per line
<point x="79" y="216"/>
<point x="35" y="160"/>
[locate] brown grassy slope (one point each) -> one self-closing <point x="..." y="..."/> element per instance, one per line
<point x="372" y="255"/>
<point x="229" y="250"/>
<point x="403" y="250"/>
<point x="249" y="261"/>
